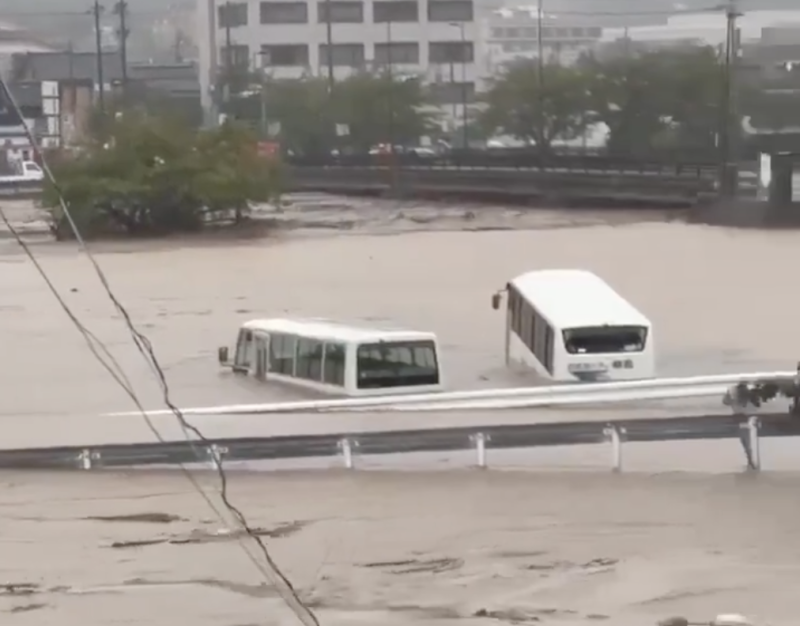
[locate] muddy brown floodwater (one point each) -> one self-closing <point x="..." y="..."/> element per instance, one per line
<point x="681" y="532"/>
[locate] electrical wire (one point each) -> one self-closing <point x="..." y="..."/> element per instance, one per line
<point x="271" y="571"/>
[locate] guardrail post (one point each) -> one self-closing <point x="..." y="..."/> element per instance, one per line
<point x="215" y="454"/>
<point x="86" y="458"/>
<point x="480" y="439"/>
<point x="346" y="447"/>
<point x="616" y="436"/>
<point x="751" y="442"/>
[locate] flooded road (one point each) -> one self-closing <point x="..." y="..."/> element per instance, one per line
<point x="399" y="547"/>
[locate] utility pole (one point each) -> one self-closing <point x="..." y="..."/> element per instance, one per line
<point x="329" y="44"/>
<point x="464" y="96"/>
<point x="121" y="10"/>
<point x="97" y="10"/>
<point x="177" y="46"/>
<point x="390" y="103"/>
<point x="453" y="84"/>
<point x="540" y="73"/>
<point x="227" y="14"/>
<point x="390" y="86"/>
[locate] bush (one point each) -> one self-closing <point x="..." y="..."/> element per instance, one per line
<point x="148" y="176"/>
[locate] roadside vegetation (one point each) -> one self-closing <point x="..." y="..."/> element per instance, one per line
<point x="144" y="175"/>
<point x="670" y="100"/>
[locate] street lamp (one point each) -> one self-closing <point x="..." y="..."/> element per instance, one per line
<point x="464" y="117"/>
<point x="728" y="174"/>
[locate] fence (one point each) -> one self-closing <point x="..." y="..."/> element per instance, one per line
<point x="482" y="439"/>
<point x="679" y="388"/>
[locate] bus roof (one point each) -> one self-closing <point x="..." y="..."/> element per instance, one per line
<point x="333" y="331"/>
<point x="577" y="298"/>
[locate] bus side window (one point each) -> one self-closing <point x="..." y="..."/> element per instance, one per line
<point x="281" y="354"/>
<point x="309" y="359"/>
<point x="243" y="349"/>
<point x="333" y="364"/>
<point x="549" y="340"/>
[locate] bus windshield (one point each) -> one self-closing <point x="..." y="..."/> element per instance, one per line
<point x="397" y="364"/>
<point x="605" y="339"/>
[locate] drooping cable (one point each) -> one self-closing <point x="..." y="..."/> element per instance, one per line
<point x="271" y="571"/>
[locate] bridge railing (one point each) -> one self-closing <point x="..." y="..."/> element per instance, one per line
<point x="349" y="446"/>
<point x="687" y="166"/>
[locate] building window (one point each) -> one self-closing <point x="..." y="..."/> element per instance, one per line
<point x="452" y="93"/>
<point x="451" y="52"/>
<point x="344" y="55"/>
<point x="237" y="55"/>
<point x="232" y="14"/>
<point x="395" y="11"/>
<point x="287" y="55"/>
<point x="342" y="12"/>
<point x="397" y="52"/>
<point x="450" y="11"/>
<point x="284" y="13"/>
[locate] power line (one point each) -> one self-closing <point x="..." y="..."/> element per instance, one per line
<point x="271" y="572"/>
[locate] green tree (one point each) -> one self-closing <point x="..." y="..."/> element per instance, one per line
<point x="300" y="108"/>
<point x="627" y="94"/>
<point x="539" y="109"/>
<point x="665" y="99"/>
<point x="149" y="176"/>
<point x="373" y="108"/>
<point x="694" y="103"/>
<point x="380" y="108"/>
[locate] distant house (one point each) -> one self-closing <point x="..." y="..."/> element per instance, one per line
<point x="179" y="79"/>
<point x="74" y="73"/>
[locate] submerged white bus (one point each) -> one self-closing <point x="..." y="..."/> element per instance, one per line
<point x="337" y="359"/>
<point x="570" y="325"/>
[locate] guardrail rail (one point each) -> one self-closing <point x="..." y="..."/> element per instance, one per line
<point x="349" y="445"/>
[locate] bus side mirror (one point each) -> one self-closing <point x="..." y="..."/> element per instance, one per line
<point x="222" y="355"/>
<point x="497" y="298"/>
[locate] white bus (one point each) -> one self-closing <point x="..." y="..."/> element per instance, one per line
<point x="570" y="325"/>
<point x="337" y="359"/>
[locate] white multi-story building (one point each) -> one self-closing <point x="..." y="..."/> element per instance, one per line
<point x="513" y="33"/>
<point x="433" y="39"/>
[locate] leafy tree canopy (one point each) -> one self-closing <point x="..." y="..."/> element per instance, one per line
<point x="373" y="108"/>
<point x="148" y="176"/>
<point x="665" y="99"/>
<point x="538" y="109"/>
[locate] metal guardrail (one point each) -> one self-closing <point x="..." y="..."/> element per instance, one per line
<point x="348" y="445"/>
<point x="591" y="163"/>
<point x="676" y="388"/>
<point x="20" y="189"/>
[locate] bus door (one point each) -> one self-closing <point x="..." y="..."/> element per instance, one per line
<point x="261" y="356"/>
